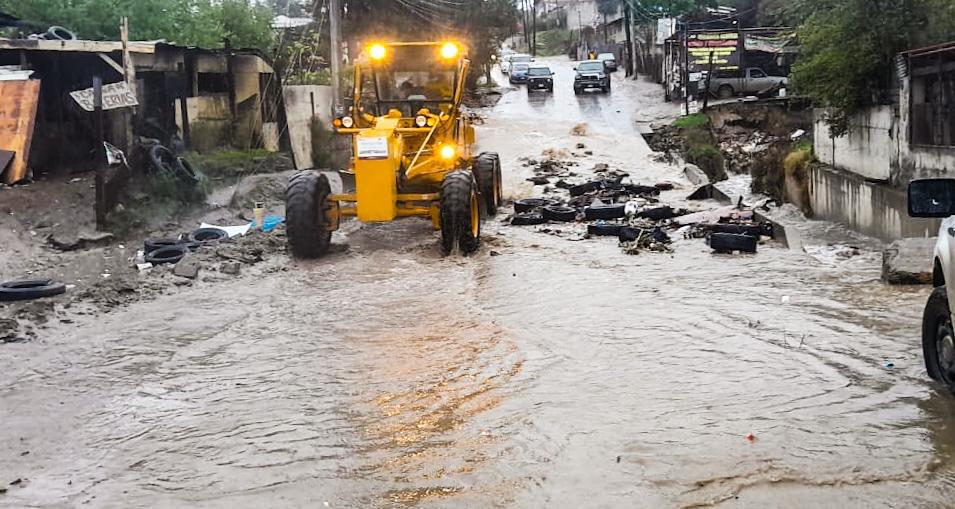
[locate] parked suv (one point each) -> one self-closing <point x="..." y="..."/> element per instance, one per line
<point x="591" y="74"/>
<point x="936" y="198"/>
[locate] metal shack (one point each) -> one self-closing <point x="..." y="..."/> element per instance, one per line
<point x="205" y="98"/>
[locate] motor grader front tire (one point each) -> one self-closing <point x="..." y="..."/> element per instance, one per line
<point x="487" y="171"/>
<point x="460" y="213"/>
<point x="306" y="209"/>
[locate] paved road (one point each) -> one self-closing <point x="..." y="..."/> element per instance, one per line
<point x="558" y="373"/>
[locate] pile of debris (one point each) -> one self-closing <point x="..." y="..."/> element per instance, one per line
<point x="632" y="212"/>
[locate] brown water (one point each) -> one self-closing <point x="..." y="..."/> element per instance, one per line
<point x="560" y="373"/>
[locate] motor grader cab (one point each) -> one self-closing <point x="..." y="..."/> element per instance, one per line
<point x="412" y="152"/>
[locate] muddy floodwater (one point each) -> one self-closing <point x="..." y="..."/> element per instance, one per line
<point x="552" y="372"/>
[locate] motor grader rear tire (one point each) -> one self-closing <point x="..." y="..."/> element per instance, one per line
<point x="306" y="206"/>
<point x="487" y="170"/>
<point x="460" y="213"/>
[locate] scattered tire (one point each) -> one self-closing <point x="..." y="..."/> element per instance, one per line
<point x="639" y="189"/>
<point x="584" y="188"/>
<point x="560" y="213"/>
<point x="30" y="289"/>
<point x="487" y="171"/>
<point x="604" y="229"/>
<point x="613" y="211"/>
<point x="630" y="234"/>
<point x="460" y="213"/>
<point x="306" y="207"/>
<point x="737" y="229"/>
<point x="151" y="245"/>
<point x="938" y="339"/>
<point x="185" y="171"/>
<point x="658" y="213"/>
<point x="58" y="33"/>
<point x="531" y="204"/>
<point x="167" y="254"/>
<point x="162" y="160"/>
<point x="527" y="219"/>
<point x="207" y="235"/>
<point x="730" y="242"/>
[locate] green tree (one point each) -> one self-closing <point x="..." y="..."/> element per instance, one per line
<point x="204" y="23"/>
<point x="848" y="48"/>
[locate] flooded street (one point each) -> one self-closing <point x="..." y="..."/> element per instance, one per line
<point x="553" y="373"/>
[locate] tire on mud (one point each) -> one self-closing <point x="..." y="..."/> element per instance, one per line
<point x="937" y="328"/>
<point x="560" y="213"/>
<point x="460" y="226"/>
<point x="729" y="242"/>
<point x="306" y="206"/>
<point x="30" y="289"/>
<point x="487" y="171"/>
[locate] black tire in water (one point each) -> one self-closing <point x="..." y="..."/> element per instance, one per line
<point x="306" y="207"/>
<point x="460" y="213"/>
<point x="487" y="171"/>
<point x="938" y="339"/>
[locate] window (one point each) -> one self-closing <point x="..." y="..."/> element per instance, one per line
<point x="212" y="82"/>
<point x="932" y="106"/>
<point x="756" y="73"/>
<point x="539" y="71"/>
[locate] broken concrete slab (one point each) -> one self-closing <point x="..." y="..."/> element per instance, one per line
<point x="82" y="240"/>
<point x="695" y="175"/>
<point x="188" y="268"/>
<point x="231" y="268"/>
<point x="908" y="261"/>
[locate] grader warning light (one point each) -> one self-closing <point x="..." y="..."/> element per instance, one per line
<point x="449" y="50"/>
<point x="412" y="152"/>
<point x="377" y="51"/>
<point x="447" y="152"/>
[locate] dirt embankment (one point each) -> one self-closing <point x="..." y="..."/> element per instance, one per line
<point x="48" y="232"/>
<point x="770" y="141"/>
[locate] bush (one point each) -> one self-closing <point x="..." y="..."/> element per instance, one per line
<point x="695" y="120"/>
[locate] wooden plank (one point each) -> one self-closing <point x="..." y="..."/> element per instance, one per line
<point x="18" y="103"/>
<point x="81" y="46"/>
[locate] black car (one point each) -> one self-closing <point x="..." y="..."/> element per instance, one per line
<point x="540" y="78"/>
<point x="591" y="74"/>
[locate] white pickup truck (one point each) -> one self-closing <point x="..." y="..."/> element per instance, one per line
<point x="755" y="81"/>
<point x="936" y="198"/>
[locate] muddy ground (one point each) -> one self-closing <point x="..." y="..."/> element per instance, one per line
<point x="546" y="370"/>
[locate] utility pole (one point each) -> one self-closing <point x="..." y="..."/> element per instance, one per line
<point x="627" y="20"/>
<point x="335" y="27"/>
<point x="527" y="37"/>
<point x="534" y="18"/>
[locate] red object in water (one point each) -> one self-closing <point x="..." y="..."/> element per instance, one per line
<point x="751" y="437"/>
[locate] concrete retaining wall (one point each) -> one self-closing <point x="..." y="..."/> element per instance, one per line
<point x="870" y="150"/>
<point x="871" y="208"/>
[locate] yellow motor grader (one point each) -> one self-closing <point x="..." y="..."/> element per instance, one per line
<point x="412" y="152"/>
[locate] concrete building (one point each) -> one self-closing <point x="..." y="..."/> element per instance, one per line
<point x="913" y="136"/>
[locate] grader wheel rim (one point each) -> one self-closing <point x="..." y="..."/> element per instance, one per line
<point x="475" y="216"/>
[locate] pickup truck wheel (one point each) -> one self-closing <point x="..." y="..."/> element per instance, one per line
<point x="577" y="90"/>
<point x="938" y="339"/>
<point x="725" y="92"/>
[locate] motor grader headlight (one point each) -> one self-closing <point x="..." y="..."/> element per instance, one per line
<point x="348" y="122"/>
<point x="450" y="50"/>
<point x="421" y="121"/>
<point x="447" y="152"/>
<point x="377" y="51"/>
